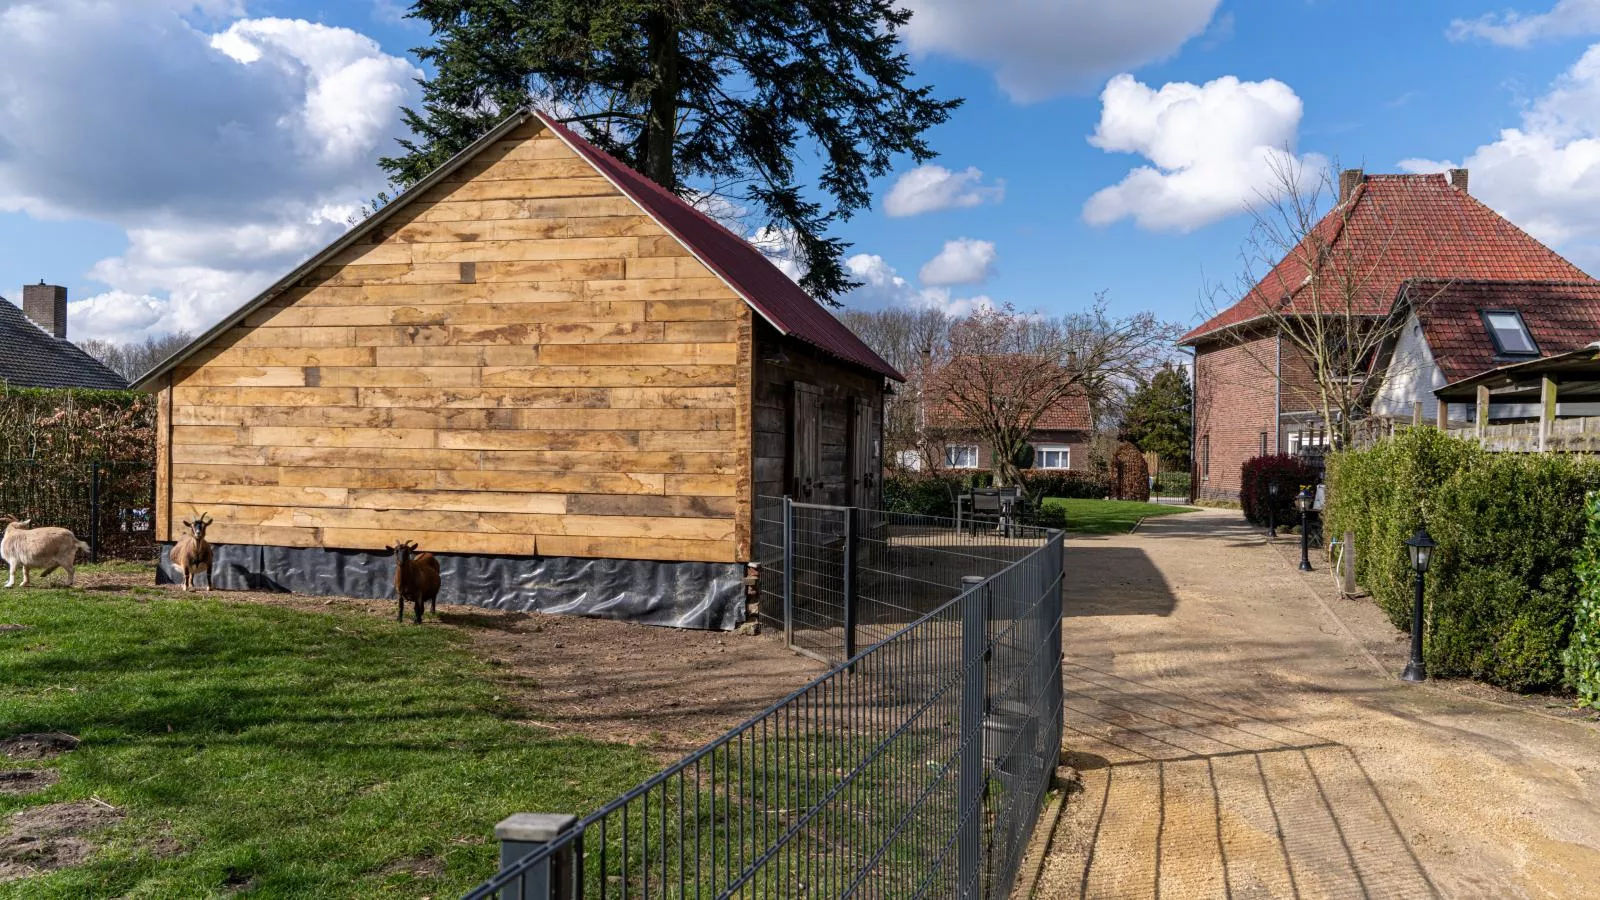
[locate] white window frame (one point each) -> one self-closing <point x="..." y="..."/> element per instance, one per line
<point x="1040" y="450"/>
<point x="950" y="454"/>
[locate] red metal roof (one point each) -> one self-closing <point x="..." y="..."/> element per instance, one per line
<point x="1400" y="227"/>
<point x="763" y="285"/>
<point x="1561" y="316"/>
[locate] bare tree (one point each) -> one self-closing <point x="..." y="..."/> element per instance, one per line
<point x="1007" y="369"/>
<point x="1327" y="295"/>
<point x="133" y="359"/>
<point x="915" y="341"/>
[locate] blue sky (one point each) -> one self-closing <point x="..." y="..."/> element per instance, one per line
<point x="213" y="144"/>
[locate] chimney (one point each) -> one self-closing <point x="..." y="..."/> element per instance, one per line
<point x="1349" y="180"/>
<point x="46" y="304"/>
<point x="1458" y="180"/>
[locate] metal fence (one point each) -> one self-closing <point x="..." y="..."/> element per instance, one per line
<point x="109" y="505"/>
<point x="834" y="579"/>
<point x="917" y="768"/>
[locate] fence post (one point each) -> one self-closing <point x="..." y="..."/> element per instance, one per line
<point x="850" y="582"/>
<point x="788" y="571"/>
<point x="523" y="833"/>
<point x="94" y="512"/>
<point x="974" y="710"/>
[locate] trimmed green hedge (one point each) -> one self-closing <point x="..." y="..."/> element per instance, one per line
<point x="1501" y="593"/>
<point x="1582" y="656"/>
<point x="934" y="494"/>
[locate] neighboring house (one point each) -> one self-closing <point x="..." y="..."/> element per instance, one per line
<point x="1252" y="386"/>
<point x="35" y="352"/>
<point x="1060" y="439"/>
<point x="1458" y="330"/>
<point x="538" y="363"/>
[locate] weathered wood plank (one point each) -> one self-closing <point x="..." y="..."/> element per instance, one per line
<point x="715" y="332"/>
<point x="544" y="440"/>
<point x="553" y="482"/>
<point x="403" y="438"/>
<point x="560" y="461"/>
<point x="257" y="495"/>
<point x="635" y="548"/>
<point x="431" y="541"/>
<point x="691" y="310"/>
<point x="395" y="295"/>
<point x="486" y="398"/>
<point x="661" y="288"/>
<point x="403" y="376"/>
<point x="399" y="520"/>
<point x="607" y="376"/>
<point x="702" y="485"/>
<point x="450" y="272"/>
<point x="163" y="498"/>
<point x="520" y="250"/>
<point x="549" y="208"/>
<point x="622" y="505"/>
<point x="679" y="265"/>
<point x="706" y="354"/>
<point x="603" y="461"/>
<point x="283" y="356"/>
<point x="460" y="314"/>
<point x="520" y="229"/>
<point x="527" y="189"/>
<point x="259" y="396"/>
<point x="242" y="376"/>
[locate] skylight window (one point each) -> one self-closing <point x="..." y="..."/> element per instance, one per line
<point x="1510" y="335"/>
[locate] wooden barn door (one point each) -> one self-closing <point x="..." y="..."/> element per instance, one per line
<point x="863" y="468"/>
<point x="805" y="454"/>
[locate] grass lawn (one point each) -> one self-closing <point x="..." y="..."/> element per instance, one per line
<point x="1109" y="516"/>
<point x="277" y="752"/>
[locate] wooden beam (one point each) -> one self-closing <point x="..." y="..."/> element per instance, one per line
<point x="1416" y="414"/>
<point x="1444" y="415"/>
<point x="1483" y="411"/>
<point x="1547" y="410"/>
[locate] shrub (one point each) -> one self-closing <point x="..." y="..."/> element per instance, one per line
<point x="1510" y="529"/>
<point x="1071" y="485"/>
<point x="1380" y="495"/>
<point x="1049" y="516"/>
<point x="1291" y="472"/>
<point x="1582" y="656"/>
<point x="1131" y="474"/>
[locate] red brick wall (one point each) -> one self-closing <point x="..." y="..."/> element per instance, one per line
<point x="1235" y="401"/>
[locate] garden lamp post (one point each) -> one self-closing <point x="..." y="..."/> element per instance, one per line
<point x="1302" y="502"/>
<point x="1420" y="546"/>
<point x="1272" y="508"/>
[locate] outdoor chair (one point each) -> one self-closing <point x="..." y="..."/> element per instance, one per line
<point x="997" y="505"/>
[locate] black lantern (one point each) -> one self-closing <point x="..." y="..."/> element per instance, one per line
<point x="1272" y="508"/>
<point x="1420" y="547"/>
<point x="1303" y="501"/>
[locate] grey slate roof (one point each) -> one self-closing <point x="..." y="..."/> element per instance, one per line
<point x="30" y="357"/>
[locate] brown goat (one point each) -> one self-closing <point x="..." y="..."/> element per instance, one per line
<point x="191" y="555"/>
<point x="416" y="579"/>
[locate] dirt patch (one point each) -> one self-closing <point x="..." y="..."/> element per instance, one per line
<point x="415" y="866"/>
<point x="666" y="689"/>
<point x="17" y="782"/>
<point x="46" y="838"/>
<point x="42" y="745"/>
<point x="6" y="628"/>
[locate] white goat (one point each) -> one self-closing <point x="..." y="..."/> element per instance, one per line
<point x="47" y="548"/>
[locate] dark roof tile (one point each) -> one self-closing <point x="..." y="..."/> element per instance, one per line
<point x="1561" y="316"/>
<point x="31" y="357"/>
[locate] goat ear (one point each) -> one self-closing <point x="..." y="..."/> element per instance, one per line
<point x="188" y="523"/>
<point x="388" y="549"/>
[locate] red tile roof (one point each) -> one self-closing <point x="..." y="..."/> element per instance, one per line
<point x="1561" y="316"/>
<point x="1401" y="227"/>
<point x="763" y="285"/>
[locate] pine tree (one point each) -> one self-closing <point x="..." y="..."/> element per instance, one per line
<point x="704" y="97"/>
<point x="1159" y="415"/>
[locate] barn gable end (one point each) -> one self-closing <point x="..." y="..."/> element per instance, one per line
<point x="519" y="362"/>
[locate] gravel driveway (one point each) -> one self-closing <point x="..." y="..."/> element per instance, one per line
<point x="1236" y="739"/>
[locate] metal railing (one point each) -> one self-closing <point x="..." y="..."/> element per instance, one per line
<point x="834" y="579"/>
<point x="109" y="505"/>
<point x="917" y="768"/>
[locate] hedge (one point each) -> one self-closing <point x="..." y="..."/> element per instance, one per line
<point x="934" y="494"/>
<point x="1582" y="656"/>
<point x="1500" y="599"/>
<point x="1291" y="472"/>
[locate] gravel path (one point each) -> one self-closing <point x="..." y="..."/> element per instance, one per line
<point x="1237" y="740"/>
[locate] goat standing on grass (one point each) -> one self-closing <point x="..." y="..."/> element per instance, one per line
<point x="46" y="548"/>
<point x="416" y="578"/>
<point x="191" y="555"/>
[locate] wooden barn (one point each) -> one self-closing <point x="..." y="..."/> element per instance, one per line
<point x="537" y="363"/>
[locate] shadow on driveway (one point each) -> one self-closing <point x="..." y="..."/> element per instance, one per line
<point x="1114" y="581"/>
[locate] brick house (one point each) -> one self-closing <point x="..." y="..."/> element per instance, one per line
<point x="1252" y="386"/>
<point x="1060" y="438"/>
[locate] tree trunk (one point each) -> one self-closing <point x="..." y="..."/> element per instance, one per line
<point x="661" y="124"/>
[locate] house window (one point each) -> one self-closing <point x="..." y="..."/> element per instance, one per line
<point x="961" y="456"/>
<point x="1052" y="458"/>
<point x="1205" y="457"/>
<point x="1510" y="335"/>
<point x="1263" y="451"/>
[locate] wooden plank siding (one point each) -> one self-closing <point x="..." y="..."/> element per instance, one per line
<point x="520" y="362"/>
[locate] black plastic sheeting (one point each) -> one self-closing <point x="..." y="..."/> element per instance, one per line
<point x="679" y="594"/>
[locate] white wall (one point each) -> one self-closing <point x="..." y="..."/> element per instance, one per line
<point x="1411" y="378"/>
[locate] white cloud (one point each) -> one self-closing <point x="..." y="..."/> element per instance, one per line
<point x="962" y="261"/>
<point x="1545" y="175"/>
<point x="1215" y="149"/>
<point x="1041" y="48"/>
<point x="1513" y="29"/>
<point x="227" y="157"/>
<point x="782" y="248"/>
<point x="883" y="286"/>
<point x="932" y="188"/>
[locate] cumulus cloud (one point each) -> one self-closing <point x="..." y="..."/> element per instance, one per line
<point x="1041" y="48"/>
<point x="883" y="286"/>
<point x="962" y="261"/>
<point x="227" y="157"/>
<point x="1545" y="175"/>
<point x="932" y="188"/>
<point x="1216" y="150"/>
<point x="1513" y="29"/>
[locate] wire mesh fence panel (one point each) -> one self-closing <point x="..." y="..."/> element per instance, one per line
<point x="916" y="768"/>
<point x="109" y="505"/>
